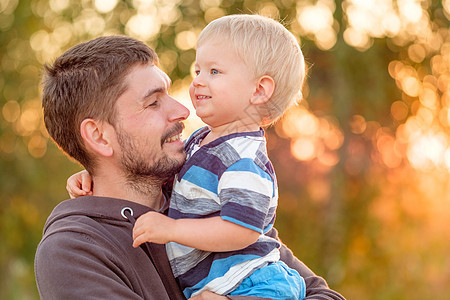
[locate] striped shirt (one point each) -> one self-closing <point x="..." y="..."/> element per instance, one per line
<point x="231" y="177"/>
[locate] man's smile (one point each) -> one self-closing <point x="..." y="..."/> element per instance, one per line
<point x="173" y="138"/>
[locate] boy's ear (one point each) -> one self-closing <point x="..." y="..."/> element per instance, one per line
<point x="97" y="136"/>
<point x="264" y="90"/>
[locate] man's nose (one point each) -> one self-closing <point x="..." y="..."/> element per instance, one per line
<point x="177" y="111"/>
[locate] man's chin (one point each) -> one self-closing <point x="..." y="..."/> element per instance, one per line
<point x="181" y="162"/>
<point x="176" y="162"/>
<point x="180" y="155"/>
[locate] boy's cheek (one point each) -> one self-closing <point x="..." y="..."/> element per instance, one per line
<point x="192" y="94"/>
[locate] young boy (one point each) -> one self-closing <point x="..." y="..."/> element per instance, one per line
<point x="250" y="70"/>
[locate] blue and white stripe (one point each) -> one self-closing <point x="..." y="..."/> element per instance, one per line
<point x="231" y="177"/>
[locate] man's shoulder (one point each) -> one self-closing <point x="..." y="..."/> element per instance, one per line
<point x="70" y="233"/>
<point x="77" y="221"/>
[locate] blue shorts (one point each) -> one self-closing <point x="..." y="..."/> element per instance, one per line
<point x="276" y="281"/>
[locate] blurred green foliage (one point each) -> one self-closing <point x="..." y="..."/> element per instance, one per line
<point x="363" y="162"/>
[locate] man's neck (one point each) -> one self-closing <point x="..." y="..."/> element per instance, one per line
<point x="145" y="193"/>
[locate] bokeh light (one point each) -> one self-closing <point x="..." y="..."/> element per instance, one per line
<point x="316" y="21"/>
<point x="363" y="162"/>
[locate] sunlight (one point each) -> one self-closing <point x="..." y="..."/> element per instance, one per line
<point x="446" y="5"/>
<point x="358" y="124"/>
<point x="11" y="111"/>
<point x="304" y="148"/>
<point x="205" y="4"/>
<point x="410" y="86"/>
<point x="270" y="10"/>
<point x="326" y="38"/>
<point x="168" y="12"/>
<point x="105" y="6"/>
<point x="417" y="53"/>
<point x="37" y="146"/>
<point x="30" y="118"/>
<point x="399" y="110"/>
<point x="444" y="116"/>
<point x="447" y="159"/>
<point x="214" y="13"/>
<point x="329" y="133"/>
<point x="391" y="24"/>
<point x="428" y="97"/>
<point x="315" y="17"/>
<point x="186" y="40"/>
<point x="328" y="158"/>
<point x="143" y="26"/>
<point x="90" y="22"/>
<point x="317" y="21"/>
<point x="410" y="9"/>
<point x="313" y="137"/>
<point x="39" y="40"/>
<point x="425" y="132"/>
<point x="168" y="60"/>
<point x="357" y="39"/>
<point x="299" y="121"/>
<point x="428" y="151"/>
<point x="365" y="18"/>
<point x="143" y="4"/>
<point x="386" y="145"/>
<point x="59" y="5"/>
<point x="319" y="190"/>
<point x="404" y="20"/>
<point x="438" y="64"/>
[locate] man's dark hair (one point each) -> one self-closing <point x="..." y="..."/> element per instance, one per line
<point x="85" y="82"/>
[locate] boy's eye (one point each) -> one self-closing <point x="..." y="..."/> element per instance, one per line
<point x="214" y="72"/>
<point x="197" y="72"/>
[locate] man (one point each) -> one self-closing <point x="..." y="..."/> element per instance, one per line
<point x="106" y="104"/>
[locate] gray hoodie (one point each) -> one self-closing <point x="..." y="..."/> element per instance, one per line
<point x="86" y="253"/>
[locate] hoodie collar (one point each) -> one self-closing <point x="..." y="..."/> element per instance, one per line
<point x="96" y="207"/>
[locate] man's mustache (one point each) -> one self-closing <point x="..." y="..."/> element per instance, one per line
<point x="176" y="129"/>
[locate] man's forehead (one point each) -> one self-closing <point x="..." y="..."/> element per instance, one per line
<point x="150" y="75"/>
<point x="164" y="77"/>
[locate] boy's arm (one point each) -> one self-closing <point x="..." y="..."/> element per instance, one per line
<point x="209" y="234"/>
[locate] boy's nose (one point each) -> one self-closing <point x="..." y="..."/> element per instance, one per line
<point x="198" y="81"/>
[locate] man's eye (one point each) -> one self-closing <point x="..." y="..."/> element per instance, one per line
<point x="153" y="104"/>
<point x="197" y="72"/>
<point x="214" y="72"/>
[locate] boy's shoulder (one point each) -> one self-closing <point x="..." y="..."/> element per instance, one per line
<point x="243" y="148"/>
<point x="222" y="153"/>
<point x="247" y="146"/>
<point x="196" y="136"/>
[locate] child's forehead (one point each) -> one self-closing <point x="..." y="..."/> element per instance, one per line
<point x="215" y="43"/>
<point x="216" y="50"/>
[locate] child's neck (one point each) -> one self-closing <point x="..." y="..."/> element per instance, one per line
<point x="220" y="131"/>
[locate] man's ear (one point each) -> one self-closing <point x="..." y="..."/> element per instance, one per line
<point x="97" y="136"/>
<point x="264" y="90"/>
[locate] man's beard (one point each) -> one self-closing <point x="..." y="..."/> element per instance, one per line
<point x="141" y="175"/>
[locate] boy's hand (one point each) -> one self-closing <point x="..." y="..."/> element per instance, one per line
<point x="79" y="184"/>
<point x="153" y="227"/>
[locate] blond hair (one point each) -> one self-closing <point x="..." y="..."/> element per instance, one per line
<point x="267" y="48"/>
